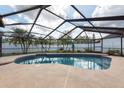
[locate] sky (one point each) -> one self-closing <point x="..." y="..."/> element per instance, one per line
<point x="67" y="12"/>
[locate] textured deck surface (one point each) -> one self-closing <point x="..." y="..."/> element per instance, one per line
<point x="56" y="75"/>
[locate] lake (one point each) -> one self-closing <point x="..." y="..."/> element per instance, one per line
<point x="113" y="43"/>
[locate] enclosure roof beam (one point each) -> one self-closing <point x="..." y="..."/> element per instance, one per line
<point x="6" y="34"/>
<point x="31" y="24"/>
<point x="54" y="14"/>
<point x="58" y="16"/>
<point x="84" y="18"/>
<point x="68" y="32"/>
<point x="32" y="32"/>
<point x="105" y="28"/>
<point x="78" y="35"/>
<point x="102" y="31"/>
<point x="54" y="29"/>
<point x="35" y="21"/>
<point x="109" y="18"/>
<point x="86" y="35"/>
<point x="26" y="10"/>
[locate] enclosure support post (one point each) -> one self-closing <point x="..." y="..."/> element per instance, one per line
<point x="73" y="46"/>
<point x="88" y="44"/>
<point x="93" y="42"/>
<point x="94" y="45"/>
<point x="102" y="45"/>
<point x="0" y="44"/>
<point x="88" y="40"/>
<point x="121" y="45"/>
<point x="57" y="45"/>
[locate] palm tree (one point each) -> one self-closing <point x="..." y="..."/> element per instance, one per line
<point x="65" y="41"/>
<point x="19" y="37"/>
<point x="40" y="41"/>
<point x="49" y="41"/>
<point x="45" y="43"/>
<point x="82" y="39"/>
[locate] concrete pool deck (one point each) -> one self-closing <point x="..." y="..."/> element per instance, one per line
<point x="60" y="76"/>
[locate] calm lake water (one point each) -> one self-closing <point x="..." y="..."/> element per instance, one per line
<point x="108" y="43"/>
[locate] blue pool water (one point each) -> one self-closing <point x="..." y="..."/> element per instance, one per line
<point x="92" y="62"/>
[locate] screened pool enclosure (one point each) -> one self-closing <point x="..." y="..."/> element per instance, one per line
<point x="52" y="28"/>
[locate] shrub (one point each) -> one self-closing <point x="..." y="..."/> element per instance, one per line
<point x="113" y="52"/>
<point x="87" y="50"/>
<point x="61" y="49"/>
<point x="110" y="52"/>
<point x="78" y="51"/>
<point x="69" y="51"/>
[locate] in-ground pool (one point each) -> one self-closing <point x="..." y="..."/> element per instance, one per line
<point x="83" y="61"/>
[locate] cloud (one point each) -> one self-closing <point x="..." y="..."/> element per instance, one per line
<point x="49" y="20"/>
<point x="108" y="10"/>
<point x="45" y="18"/>
<point x="76" y="15"/>
<point x="59" y="10"/>
<point x="8" y="21"/>
<point x="30" y="14"/>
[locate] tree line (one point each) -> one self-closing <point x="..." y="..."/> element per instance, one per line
<point x="21" y="37"/>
